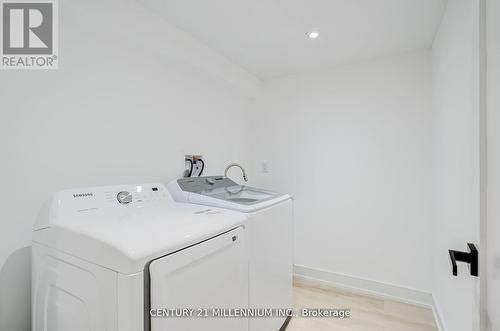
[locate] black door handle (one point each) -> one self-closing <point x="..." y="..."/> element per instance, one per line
<point x="470" y="257"/>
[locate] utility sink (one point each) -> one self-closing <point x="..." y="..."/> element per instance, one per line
<point x="220" y="191"/>
<point x="241" y="194"/>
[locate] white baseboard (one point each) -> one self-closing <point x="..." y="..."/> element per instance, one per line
<point x="370" y="287"/>
<point x="438" y="317"/>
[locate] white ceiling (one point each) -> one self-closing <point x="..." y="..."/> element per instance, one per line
<point x="267" y="37"/>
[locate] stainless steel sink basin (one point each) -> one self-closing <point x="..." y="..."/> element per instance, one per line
<point x="243" y="200"/>
<point x="241" y="194"/>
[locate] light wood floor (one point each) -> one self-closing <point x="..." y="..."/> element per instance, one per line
<point x="367" y="313"/>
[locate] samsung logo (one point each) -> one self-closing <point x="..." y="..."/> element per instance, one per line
<point x="82" y="195"/>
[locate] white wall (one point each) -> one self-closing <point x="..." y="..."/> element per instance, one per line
<point x="127" y="103"/>
<point x="493" y="136"/>
<point x="353" y="146"/>
<point x="456" y="159"/>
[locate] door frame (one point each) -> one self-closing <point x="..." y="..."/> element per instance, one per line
<point x="481" y="323"/>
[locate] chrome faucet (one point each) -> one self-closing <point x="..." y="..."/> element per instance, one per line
<point x="239" y="166"/>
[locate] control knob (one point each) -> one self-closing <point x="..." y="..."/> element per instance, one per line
<point x="124" y="197"/>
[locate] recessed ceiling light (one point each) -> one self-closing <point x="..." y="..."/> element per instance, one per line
<point x="313" y="34"/>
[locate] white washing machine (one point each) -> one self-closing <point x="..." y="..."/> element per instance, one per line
<point x="269" y="233"/>
<point x="104" y="258"/>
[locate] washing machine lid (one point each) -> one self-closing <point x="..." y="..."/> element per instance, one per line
<point x="124" y="227"/>
<point x="219" y="191"/>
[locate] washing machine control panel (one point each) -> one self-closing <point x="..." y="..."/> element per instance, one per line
<point x="200" y="184"/>
<point x="123" y="196"/>
<point x="135" y="194"/>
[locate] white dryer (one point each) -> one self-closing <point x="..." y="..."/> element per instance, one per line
<point x="105" y="258"/>
<point x="269" y="233"/>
